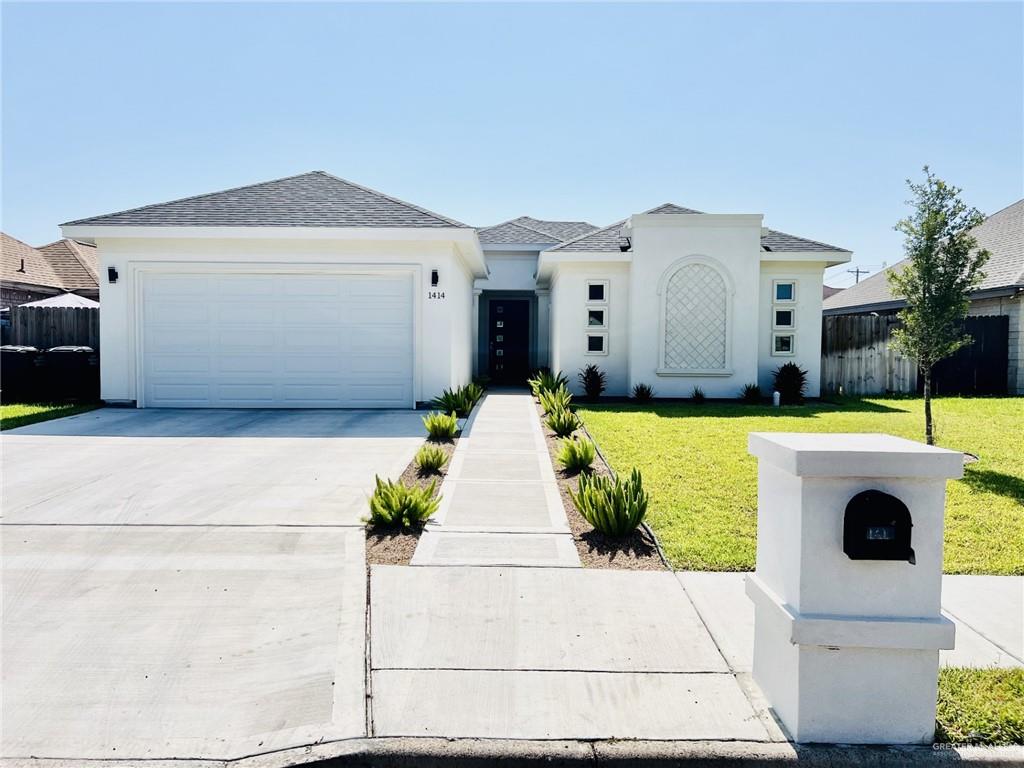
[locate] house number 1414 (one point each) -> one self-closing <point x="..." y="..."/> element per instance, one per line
<point x="435" y="294"/>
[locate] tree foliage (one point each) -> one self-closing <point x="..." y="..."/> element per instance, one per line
<point x="943" y="267"/>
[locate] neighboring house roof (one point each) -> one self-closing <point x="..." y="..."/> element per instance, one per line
<point x="1002" y="234"/>
<point x="21" y="263"/>
<point x="828" y="290"/>
<point x="314" y="199"/>
<point x="527" y="230"/>
<point x="75" y="263"/>
<point x="64" y="300"/>
<point x="610" y="238"/>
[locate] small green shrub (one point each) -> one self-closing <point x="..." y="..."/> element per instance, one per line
<point x="751" y="394"/>
<point x="546" y="381"/>
<point x="459" y="401"/>
<point x="790" y="383"/>
<point x="593" y="381"/>
<point x="563" y="422"/>
<point x="555" y="399"/>
<point x="614" y="507"/>
<point x="697" y="396"/>
<point x="441" y="426"/>
<point x="643" y="393"/>
<point x="576" y="455"/>
<point x="396" y="505"/>
<point x="430" y="459"/>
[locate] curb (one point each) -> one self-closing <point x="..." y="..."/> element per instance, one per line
<point x="481" y="753"/>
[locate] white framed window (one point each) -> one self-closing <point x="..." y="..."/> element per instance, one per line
<point x="783" y="318"/>
<point x="597" y="344"/>
<point x="784" y="291"/>
<point x="597" y="317"/>
<point x="783" y="344"/>
<point x="695" y="294"/>
<point x="597" y="291"/>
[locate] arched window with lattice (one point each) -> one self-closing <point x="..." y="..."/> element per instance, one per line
<point x="696" y="295"/>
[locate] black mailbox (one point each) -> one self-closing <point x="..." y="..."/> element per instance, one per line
<point x="877" y="527"/>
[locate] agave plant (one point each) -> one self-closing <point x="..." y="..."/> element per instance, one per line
<point x="614" y="507"/>
<point x="643" y="393"/>
<point x="751" y="394"/>
<point x="593" y="380"/>
<point x="552" y="400"/>
<point x="396" y="505"/>
<point x="697" y="396"/>
<point x="563" y="422"/>
<point x="790" y="383"/>
<point x="441" y="426"/>
<point x="546" y="381"/>
<point x="430" y="458"/>
<point x="576" y="455"/>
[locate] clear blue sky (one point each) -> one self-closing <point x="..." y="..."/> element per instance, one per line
<point x="813" y="114"/>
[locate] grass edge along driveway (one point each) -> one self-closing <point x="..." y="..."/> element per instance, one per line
<point x="703" y="483"/>
<point x="14" y="415"/>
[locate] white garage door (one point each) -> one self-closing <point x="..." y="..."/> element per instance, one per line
<point x="277" y="340"/>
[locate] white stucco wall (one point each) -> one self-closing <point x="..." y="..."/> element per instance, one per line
<point x="732" y="243"/>
<point x="442" y="326"/>
<point x="808" y="277"/>
<point x="569" y="316"/>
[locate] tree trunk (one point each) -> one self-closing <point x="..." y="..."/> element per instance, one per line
<point x="928" y="436"/>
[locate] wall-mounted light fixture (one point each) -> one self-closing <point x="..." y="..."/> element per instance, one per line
<point x="433" y="278"/>
<point x="111" y="274"/>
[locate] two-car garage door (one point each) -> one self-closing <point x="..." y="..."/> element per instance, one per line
<point x="277" y="340"/>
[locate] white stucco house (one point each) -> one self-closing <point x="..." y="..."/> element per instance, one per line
<point x="312" y="291"/>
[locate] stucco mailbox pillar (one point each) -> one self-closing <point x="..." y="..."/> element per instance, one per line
<point x="847" y="618"/>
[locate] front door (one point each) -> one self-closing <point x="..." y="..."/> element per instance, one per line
<point x="509" y="340"/>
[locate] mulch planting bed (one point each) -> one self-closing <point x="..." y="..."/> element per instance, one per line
<point x="392" y="546"/>
<point x="636" y="552"/>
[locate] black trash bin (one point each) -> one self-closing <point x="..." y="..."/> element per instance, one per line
<point x="19" y="374"/>
<point x="71" y="373"/>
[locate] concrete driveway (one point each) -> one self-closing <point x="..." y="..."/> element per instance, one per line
<point x="188" y="583"/>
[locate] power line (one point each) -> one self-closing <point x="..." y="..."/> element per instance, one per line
<point x="857" y="273"/>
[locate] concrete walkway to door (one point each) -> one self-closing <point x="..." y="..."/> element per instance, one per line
<point x="499" y="502"/>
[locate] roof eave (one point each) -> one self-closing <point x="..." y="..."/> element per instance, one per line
<point x="831" y="258"/>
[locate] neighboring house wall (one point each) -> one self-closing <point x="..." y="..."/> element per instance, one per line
<point x="16" y="294"/>
<point x="807" y="314"/>
<point x="441" y="326"/>
<point x="570" y="307"/>
<point x="728" y="245"/>
<point x="1011" y="307"/>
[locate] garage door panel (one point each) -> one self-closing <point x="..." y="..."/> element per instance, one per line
<point x="278" y="341"/>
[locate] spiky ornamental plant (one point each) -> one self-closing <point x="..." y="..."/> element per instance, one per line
<point x="943" y="265"/>
<point x="546" y="381"/>
<point x="643" y="393"/>
<point x="613" y="507"/>
<point x="576" y="455"/>
<point x="563" y="422"/>
<point x="556" y="399"/>
<point x="441" y="426"/>
<point x="593" y="380"/>
<point x="396" y="505"/>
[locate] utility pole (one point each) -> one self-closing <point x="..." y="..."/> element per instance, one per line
<point x="857" y="272"/>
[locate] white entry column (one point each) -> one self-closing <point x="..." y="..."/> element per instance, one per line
<point x="848" y="624"/>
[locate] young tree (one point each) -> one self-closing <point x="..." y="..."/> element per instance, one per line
<point x="943" y="267"/>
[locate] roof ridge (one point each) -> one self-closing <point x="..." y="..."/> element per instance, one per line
<point x="191" y="197"/>
<point x="389" y="197"/>
<point x="516" y="221"/>
<point x="1004" y="208"/>
<point x="588" y="234"/>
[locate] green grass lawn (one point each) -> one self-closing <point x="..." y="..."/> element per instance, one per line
<point x="703" y="483"/>
<point x="980" y="706"/>
<point x="14" y="415"/>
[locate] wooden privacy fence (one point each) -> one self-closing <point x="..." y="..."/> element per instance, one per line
<point x="46" y="327"/>
<point x="858" y="358"/>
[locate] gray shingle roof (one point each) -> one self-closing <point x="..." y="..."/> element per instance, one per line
<point x="509" y="233"/>
<point x="315" y="199"/>
<point x="780" y="241"/>
<point x="609" y="239"/>
<point x="1002" y="234"/>
<point x="526" y="230"/>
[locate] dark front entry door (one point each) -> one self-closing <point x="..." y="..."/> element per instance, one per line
<point x="509" y="340"/>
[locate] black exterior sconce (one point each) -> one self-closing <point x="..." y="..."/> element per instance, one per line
<point x="433" y="278"/>
<point x="111" y="274"/>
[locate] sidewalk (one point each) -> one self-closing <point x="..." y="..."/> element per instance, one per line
<point x="499" y="500"/>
